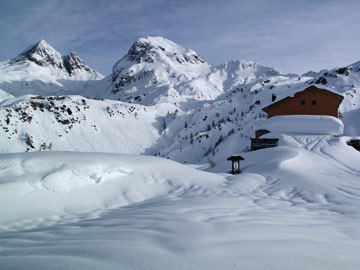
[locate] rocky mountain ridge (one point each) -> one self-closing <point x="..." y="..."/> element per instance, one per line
<point x="42" y="70"/>
<point x="44" y="55"/>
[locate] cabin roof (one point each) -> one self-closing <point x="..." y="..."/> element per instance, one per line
<point x="235" y="158"/>
<point x="291" y="94"/>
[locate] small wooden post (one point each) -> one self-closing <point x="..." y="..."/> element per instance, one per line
<point x="235" y="164"/>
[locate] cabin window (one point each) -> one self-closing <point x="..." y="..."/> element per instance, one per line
<point x="302" y="102"/>
<point x="313" y="102"/>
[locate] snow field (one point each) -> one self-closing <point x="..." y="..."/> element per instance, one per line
<point x="70" y="183"/>
<point x="290" y="208"/>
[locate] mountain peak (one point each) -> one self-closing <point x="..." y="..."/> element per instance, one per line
<point x="42" y="54"/>
<point x="42" y="58"/>
<point x="163" y="44"/>
<point x="40" y="45"/>
<point x="43" y="43"/>
<point x="147" y="49"/>
<point x="73" y="63"/>
<point x="150" y="56"/>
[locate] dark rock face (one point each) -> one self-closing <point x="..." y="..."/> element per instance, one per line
<point x="129" y="77"/>
<point x="73" y="62"/>
<point x="139" y="52"/>
<point x="321" y="80"/>
<point x="144" y="51"/>
<point x="342" y="71"/>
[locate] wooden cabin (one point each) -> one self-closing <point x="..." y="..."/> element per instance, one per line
<point x="312" y="100"/>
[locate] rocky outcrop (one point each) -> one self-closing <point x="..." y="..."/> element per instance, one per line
<point x="149" y="49"/>
<point x="73" y="63"/>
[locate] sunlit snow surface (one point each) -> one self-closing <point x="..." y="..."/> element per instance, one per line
<point x="302" y="124"/>
<point x="293" y="207"/>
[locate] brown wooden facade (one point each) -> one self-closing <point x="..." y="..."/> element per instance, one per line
<point x="311" y="101"/>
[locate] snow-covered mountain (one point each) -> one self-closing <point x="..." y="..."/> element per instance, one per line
<point x="40" y="69"/>
<point x="156" y="70"/>
<point x="185" y="109"/>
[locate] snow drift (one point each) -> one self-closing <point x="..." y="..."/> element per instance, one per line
<point x="302" y="124"/>
<point x="291" y="208"/>
<point x="46" y="184"/>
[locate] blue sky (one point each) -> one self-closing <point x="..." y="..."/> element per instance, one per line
<point x="290" y="35"/>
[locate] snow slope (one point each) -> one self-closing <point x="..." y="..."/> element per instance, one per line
<point x="77" y="124"/>
<point x="92" y="210"/>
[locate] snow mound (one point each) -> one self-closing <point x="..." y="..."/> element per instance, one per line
<point x="302" y="124"/>
<point x="43" y="184"/>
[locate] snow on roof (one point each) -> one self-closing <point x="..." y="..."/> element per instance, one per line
<point x="291" y="93"/>
<point x="302" y="124"/>
<point x="320" y="86"/>
<point x="235" y="157"/>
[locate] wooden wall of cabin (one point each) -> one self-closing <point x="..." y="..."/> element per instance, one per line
<point x="312" y="101"/>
